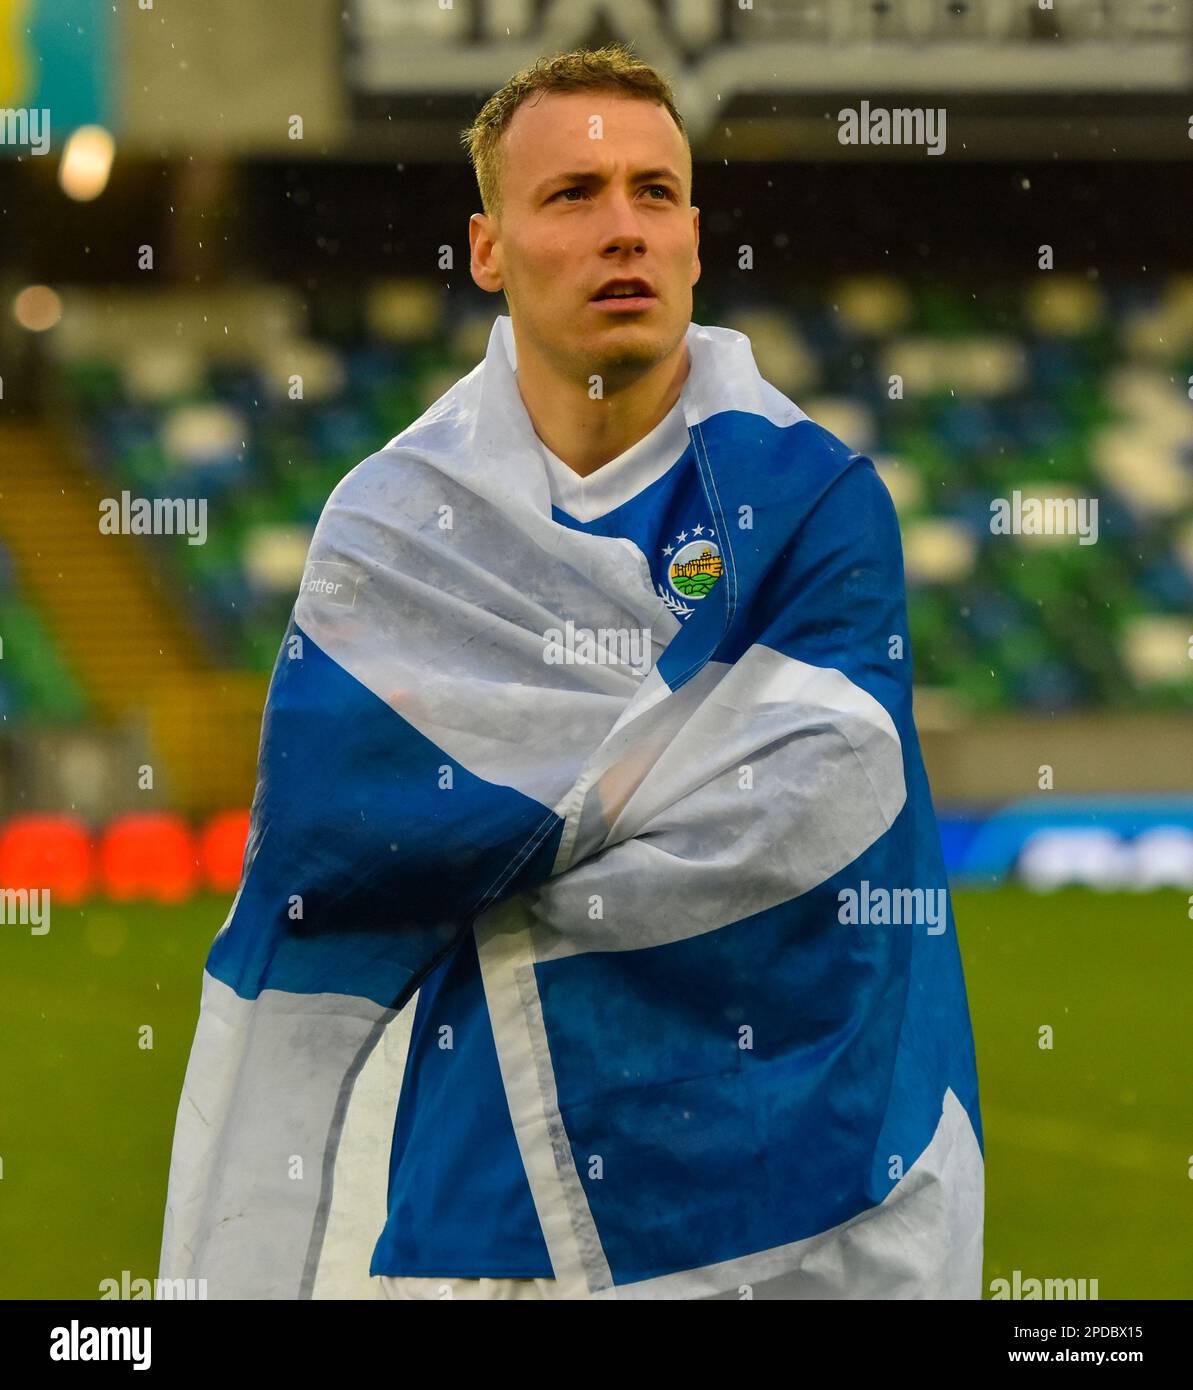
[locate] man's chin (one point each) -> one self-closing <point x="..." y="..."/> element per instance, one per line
<point x="630" y="349"/>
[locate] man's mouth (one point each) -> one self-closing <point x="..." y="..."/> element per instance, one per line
<point x="626" y="291"/>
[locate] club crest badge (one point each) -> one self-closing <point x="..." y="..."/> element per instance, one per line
<point x="694" y="566"/>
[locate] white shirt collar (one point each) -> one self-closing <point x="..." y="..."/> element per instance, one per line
<point x="622" y="477"/>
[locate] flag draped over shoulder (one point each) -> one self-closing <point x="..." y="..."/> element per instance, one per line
<point x="731" y="1026"/>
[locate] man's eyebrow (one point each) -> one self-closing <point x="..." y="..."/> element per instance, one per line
<point x="593" y="176"/>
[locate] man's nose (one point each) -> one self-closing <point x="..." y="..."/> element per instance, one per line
<point x="623" y="229"/>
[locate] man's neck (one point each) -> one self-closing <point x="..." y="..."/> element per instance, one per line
<point x="587" y="433"/>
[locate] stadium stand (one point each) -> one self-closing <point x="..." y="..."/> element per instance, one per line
<point x="1054" y="387"/>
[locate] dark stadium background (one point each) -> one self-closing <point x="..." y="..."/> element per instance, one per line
<point x="1072" y="903"/>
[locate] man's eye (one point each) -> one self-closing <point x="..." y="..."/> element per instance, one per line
<point x="563" y="192"/>
<point x="662" y="187"/>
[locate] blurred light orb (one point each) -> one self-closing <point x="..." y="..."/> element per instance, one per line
<point x="86" y="163"/>
<point x="1164" y="858"/>
<point x="1057" y="857"/>
<point x="37" y="307"/>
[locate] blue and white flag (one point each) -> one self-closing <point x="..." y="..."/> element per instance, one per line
<point x="700" y="861"/>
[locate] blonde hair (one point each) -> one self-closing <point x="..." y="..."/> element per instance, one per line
<point x="610" y="69"/>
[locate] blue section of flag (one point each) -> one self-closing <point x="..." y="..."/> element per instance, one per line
<point x="459" y="1203"/>
<point x="354" y="844"/>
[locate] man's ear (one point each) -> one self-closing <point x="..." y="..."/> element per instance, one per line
<point x="485" y="262"/>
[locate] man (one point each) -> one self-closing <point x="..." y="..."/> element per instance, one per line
<point x="593" y="729"/>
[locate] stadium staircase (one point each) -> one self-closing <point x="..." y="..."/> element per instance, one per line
<point x="133" y="655"/>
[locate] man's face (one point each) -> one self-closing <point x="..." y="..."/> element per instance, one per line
<point x="595" y="187"/>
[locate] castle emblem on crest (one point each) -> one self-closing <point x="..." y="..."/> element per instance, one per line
<point x="694" y="566"/>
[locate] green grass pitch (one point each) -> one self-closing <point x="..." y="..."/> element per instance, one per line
<point x="1089" y="1145"/>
